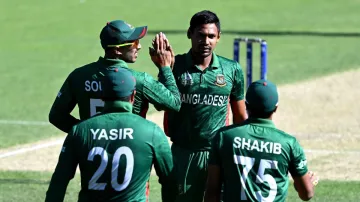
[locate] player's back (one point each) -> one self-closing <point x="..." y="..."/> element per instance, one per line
<point x="256" y="158"/>
<point x="115" y="152"/>
<point x="86" y="87"/>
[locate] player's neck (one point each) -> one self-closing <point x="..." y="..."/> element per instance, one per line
<point x="202" y="62"/>
<point x="269" y="118"/>
<point x="111" y="56"/>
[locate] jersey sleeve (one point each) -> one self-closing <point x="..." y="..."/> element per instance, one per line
<point x="163" y="164"/>
<point x="64" y="171"/>
<point x="163" y="94"/>
<point x="214" y="156"/>
<point x="60" y="111"/>
<point x="237" y="91"/>
<point x="298" y="162"/>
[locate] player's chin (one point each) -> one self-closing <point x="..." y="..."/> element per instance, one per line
<point x="132" y="60"/>
<point x="205" y="54"/>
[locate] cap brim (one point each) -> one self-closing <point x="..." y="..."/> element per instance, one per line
<point x="139" y="33"/>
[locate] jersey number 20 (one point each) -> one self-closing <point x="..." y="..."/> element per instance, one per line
<point x="261" y="177"/>
<point x="94" y="185"/>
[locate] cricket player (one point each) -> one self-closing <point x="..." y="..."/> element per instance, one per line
<point x="115" y="150"/>
<point x="209" y="85"/>
<point x="121" y="43"/>
<point x="253" y="158"/>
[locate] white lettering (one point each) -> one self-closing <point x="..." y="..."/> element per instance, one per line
<point x="245" y="144"/>
<point x="103" y="135"/>
<point x="188" y="98"/>
<point x="263" y="146"/>
<point x="195" y="99"/>
<point x="93" y="86"/>
<point x="94" y="133"/>
<point x="255" y="146"/>
<point x="237" y="142"/>
<point x="205" y="100"/>
<point x="277" y="148"/>
<point x="87" y="86"/>
<point x="113" y="134"/>
<point x="128" y="132"/>
<point x="215" y="103"/>
<point x="221" y="100"/>
<point x="210" y="100"/>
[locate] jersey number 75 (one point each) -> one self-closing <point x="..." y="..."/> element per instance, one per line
<point x="261" y="177"/>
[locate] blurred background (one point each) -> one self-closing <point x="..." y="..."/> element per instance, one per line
<point x="313" y="55"/>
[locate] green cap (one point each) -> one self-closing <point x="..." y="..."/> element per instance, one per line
<point x="118" y="32"/>
<point x="117" y="83"/>
<point x="262" y="95"/>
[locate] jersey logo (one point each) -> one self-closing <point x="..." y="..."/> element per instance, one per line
<point x="186" y="79"/>
<point x="220" y="80"/>
<point x="59" y="94"/>
<point x="131" y="27"/>
<point x="302" y="164"/>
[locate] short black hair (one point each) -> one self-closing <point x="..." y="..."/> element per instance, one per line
<point x="258" y="113"/>
<point x="204" y="17"/>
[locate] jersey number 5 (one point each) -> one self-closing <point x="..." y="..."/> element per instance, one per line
<point x="261" y="177"/>
<point x="93" y="185"/>
<point x="94" y="104"/>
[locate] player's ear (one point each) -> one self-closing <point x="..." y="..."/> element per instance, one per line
<point x="132" y="97"/>
<point x="218" y="38"/>
<point x="118" y="50"/>
<point x="189" y="33"/>
<point x="275" y="109"/>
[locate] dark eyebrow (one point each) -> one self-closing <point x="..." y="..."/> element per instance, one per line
<point x="206" y="34"/>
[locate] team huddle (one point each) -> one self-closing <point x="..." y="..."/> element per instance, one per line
<point x="115" y="146"/>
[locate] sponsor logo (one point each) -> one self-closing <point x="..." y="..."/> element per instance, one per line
<point x="59" y="94"/>
<point x="186" y="79"/>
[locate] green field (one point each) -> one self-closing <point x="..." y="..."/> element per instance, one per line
<point x="43" y="41"/>
<point x="33" y="186"/>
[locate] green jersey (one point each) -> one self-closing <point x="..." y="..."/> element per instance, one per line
<point x="255" y="159"/>
<point x="83" y="87"/>
<point x="205" y="97"/>
<point x="115" y="152"/>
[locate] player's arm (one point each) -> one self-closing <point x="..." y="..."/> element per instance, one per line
<point x="60" y="111"/>
<point x="304" y="183"/>
<point x="163" y="95"/>
<point x="64" y="171"/>
<point x="237" y="101"/>
<point x="163" y="165"/>
<point x="214" y="180"/>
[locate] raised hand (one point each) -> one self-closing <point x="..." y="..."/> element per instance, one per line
<point x="161" y="53"/>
